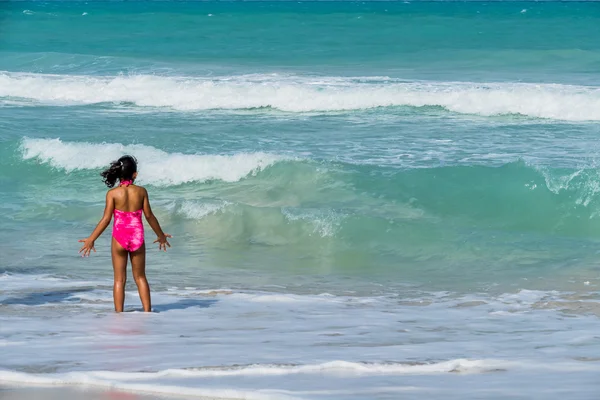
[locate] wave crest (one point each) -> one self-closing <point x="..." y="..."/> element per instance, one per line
<point x="158" y="167"/>
<point x="305" y="94"/>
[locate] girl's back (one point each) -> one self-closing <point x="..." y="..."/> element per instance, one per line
<point x="128" y="198"/>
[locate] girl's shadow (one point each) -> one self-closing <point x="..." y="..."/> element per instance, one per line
<point x="65" y="296"/>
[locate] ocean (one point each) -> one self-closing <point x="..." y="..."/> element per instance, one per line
<point x="368" y="200"/>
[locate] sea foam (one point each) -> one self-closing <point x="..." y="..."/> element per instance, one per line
<point x="304" y="94"/>
<point x="16" y="282"/>
<point x="332" y="367"/>
<point x="159" y="167"/>
<point x="113" y="381"/>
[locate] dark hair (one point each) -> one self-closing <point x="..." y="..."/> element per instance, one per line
<point x="122" y="169"/>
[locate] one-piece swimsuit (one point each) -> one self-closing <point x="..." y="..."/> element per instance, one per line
<point x="128" y="228"/>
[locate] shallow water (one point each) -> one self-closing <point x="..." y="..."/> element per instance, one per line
<point x="368" y="200"/>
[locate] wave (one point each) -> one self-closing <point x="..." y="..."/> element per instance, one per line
<point x="101" y="378"/>
<point x="190" y="381"/>
<point x="465" y="366"/>
<point x="267" y="225"/>
<point x="113" y="381"/>
<point x="319" y="222"/>
<point x="157" y="167"/>
<point x="305" y="94"/>
<point x="513" y="197"/>
<point x="124" y="380"/>
<point x="283" y="199"/>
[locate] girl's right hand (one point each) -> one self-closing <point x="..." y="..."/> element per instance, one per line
<point x="163" y="242"/>
<point x="88" y="246"/>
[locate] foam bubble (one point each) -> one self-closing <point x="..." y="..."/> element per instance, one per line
<point x="306" y="94"/>
<point x="157" y="167"/>
<point x="325" y="222"/>
<point x="585" y="182"/>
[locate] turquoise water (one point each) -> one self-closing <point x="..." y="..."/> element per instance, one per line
<point x="376" y="193"/>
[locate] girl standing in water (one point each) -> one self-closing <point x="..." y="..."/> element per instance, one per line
<point x="126" y="202"/>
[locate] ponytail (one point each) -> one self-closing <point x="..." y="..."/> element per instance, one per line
<point x="122" y="169"/>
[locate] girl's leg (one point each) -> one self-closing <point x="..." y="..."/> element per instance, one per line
<point x="119" y="260"/>
<point x="138" y="266"/>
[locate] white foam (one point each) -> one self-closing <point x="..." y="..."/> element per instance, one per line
<point x="463" y="366"/>
<point x="120" y="379"/>
<point x="15" y="282"/>
<point x="290" y="298"/>
<point x="157" y="167"/>
<point x="112" y="380"/>
<point x="306" y="94"/>
<point x="4" y="343"/>
<point x="284" y="341"/>
<point x="355" y="368"/>
<point x="584" y="182"/>
<point x="325" y="222"/>
<point x="124" y="380"/>
<point x="199" y="210"/>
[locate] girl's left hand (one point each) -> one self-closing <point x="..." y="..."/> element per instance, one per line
<point x="88" y="246"/>
<point x="163" y="242"/>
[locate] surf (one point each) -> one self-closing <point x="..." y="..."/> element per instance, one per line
<point x="160" y="168"/>
<point x="287" y="197"/>
<point x="301" y="94"/>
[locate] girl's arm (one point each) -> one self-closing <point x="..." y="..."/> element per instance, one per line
<point x="161" y="236"/>
<point x="88" y="244"/>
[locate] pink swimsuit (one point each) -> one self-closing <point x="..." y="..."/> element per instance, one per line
<point x="128" y="228"/>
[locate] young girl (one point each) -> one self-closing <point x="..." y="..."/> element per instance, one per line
<point x="126" y="202"/>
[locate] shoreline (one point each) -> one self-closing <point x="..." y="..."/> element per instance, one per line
<point x="21" y="392"/>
